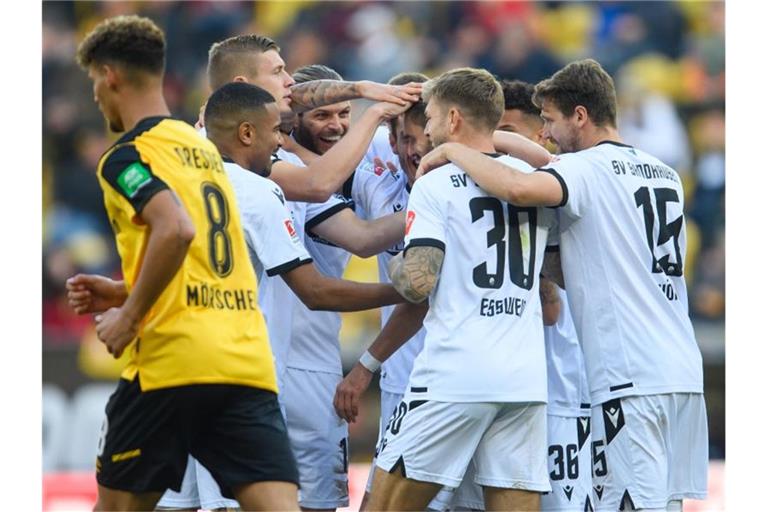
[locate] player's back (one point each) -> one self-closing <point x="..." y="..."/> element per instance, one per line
<point x="623" y="240"/>
<point x="205" y="327"/>
<point x="484" y="332"/>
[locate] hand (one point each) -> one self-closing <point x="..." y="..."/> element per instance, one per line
<point x="380" y="164"/>
<point x="398" y="94"/>
<point x="387" y="111"/>
<point x="432" y="160"/>
<point x="116" y="330"/>
<point x="90" y="293"/>
<point x="349" y="391"/>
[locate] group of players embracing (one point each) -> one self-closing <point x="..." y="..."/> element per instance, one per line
<point x="535" y="352"/>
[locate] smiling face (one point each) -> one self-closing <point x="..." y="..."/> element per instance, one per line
<point x="410" y="144"/>
<point x="320" y="128"/>
<point x="267" y="138"/>
<point x="270" y="75"/>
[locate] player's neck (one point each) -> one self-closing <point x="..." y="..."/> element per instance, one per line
<point x="138" y="105"/>
<point x="597" y="135"/>
<point x="478" y="141"/>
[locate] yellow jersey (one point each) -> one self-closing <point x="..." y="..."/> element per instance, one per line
<point x="206" y="327"/>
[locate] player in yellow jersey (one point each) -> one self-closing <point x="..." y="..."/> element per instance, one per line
<point x="201" y="378"/>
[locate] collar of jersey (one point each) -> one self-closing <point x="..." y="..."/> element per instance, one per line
<point x="614" y="143"/>
<point x="142" y="126"/>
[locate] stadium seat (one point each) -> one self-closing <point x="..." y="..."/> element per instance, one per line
<point x="56" y="420"/>
<point x="85" y="426"/>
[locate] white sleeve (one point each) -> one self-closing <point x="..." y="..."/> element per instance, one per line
<point x="425" y="221"/>
<point x="270" y="232"/>
<point x="318" y="212"/>
<point x="574" y="173"/>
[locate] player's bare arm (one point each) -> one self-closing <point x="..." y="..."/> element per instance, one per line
<point x="91" y="293"/>
<point x="550" y="301"/>
<point x="403" y="324"/>
<point x="361" y="237"/>
<point x="319" y="292"/>
<point x="318" y="93"/>
<point x="415" y="274"/>
<point x="325" y="175"/>
<point x="496" y="178"/>
<point x="521" y="147"/>
<point x="552" y="268"/>
<point x="170" y="233"/>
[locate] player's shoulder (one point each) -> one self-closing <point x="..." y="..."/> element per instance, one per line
<point x="369" y="174"/>
<point x="251" y="185"/>
<point x="512" y="161"/>
<point x="281" y="155"/>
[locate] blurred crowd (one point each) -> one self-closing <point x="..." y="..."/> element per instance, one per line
<point x="667" y="58"/>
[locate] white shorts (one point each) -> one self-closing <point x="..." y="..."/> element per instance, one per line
<point x="434" y="442"/>
<point x="318" y="438"/>
<point x="198" y="490"/>
<point x="570" y="463"/>
<point x="649" y="449"/>
<point x="389" y="402"/>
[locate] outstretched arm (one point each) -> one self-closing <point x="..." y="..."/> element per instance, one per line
<point x="521" y="147"/>
<point x="326" y="174"/>
<point x="405" y="322"/>
<point x="319" y="292"/>
<point x="415" y="274"/>
<point x="318" y="93"/>
<point x="496" y="178"/>
<point x="363" y="238"/>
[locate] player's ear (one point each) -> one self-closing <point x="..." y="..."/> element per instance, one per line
<point x="580" y="115"/>
<point x="454" y="120"/>
<point x="246" y="133"/>
<point x="112" y="77"/>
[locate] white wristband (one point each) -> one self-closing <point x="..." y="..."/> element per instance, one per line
<point x="369" y="362"/>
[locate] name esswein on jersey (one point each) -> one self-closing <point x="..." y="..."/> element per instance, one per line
<point x="646" y="171"/>
<point x="214" y="297"/>
<point x="506" y="306"/>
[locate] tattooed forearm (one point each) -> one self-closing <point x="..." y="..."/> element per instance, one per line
<point x="552" y="269"/>
<point x="317" y="93"/>
<point x="416" y="274"/>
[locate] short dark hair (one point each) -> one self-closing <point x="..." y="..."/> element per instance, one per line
<point x="475" y="91"/>
<point x="408" y="77"/>
<point x="415" y="114"/>
<point x="132" y="41"/>
<point x="518" y="95"/>
<point x="584" y="83"/>
<point x="225" y="58"/>
<point x="315" y="72"/>
<point x="230" y="104"/>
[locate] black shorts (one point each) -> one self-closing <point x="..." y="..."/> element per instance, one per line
<point x="236" y="432"/>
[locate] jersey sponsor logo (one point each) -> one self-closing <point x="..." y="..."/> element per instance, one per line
<point x="599" y="491"/>
<point x="213" y="297"/>
<point x="378" y="170"/>
<point x="290" y="229"/>
<point x="409" y="220"/>
<point x="506" y="306"/>
<point x="568" y="490"/>
<point x="397" y="207"/>
<point x="133" y="178"/>
<point x="613" y="417"/>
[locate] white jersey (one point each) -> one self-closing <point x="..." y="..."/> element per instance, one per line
<point x="274" y="245"/>
<point x="622" y="239"/>
<point x="315" y="334"/>
<point x="377" y="192"/>
<point x="380" y="147"/>
<point x="288" y="310"/>
<point x="485" y="336"/>
<point x="567" y="388"/>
